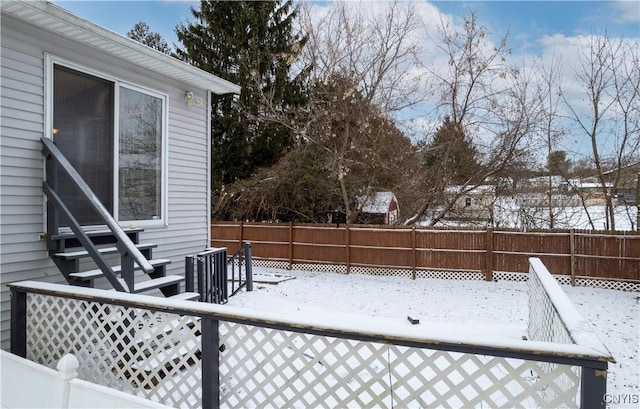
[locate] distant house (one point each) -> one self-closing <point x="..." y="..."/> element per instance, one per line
<point x="474" y="204"/>
<point x="590" y="190"/>
<point x="380" y="208"/>
<point x="133" y="122"/>
<point x="628" y="184"/>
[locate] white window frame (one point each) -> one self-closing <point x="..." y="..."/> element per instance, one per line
<point x="50" y="61"/>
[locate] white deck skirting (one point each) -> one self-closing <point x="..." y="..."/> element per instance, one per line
<point x="26" y="384"/>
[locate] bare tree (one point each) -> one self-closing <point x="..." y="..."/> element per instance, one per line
<point x="552" y="131"/>
<point x="493" y="103"/>
<point x="360" y="62"/>
<point x="609" y="77"/>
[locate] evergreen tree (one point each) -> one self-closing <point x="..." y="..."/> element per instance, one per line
<point x="253" y="45"/>
<point x="451" y="154"/>
<point x="558" y="163"/>
<point x="141" y="32"/>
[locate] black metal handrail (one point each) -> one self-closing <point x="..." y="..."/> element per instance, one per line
<point x="210" y="269"/>
<point x="242" y="256"/>
<point x="128" y="251"/>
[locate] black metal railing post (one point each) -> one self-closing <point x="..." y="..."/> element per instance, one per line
<point x="189" y="284"/>
<point x="593" y="388"/>
<point x="201" y="279"/>
<point x="210" y="365"/>
<point x="18" y="322"/>
<point x="247" y="266"/>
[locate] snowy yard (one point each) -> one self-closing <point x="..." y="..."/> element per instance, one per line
<point x="475" y="306"/>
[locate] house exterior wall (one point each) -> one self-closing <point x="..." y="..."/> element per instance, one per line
<point x="472" y="205"/>
<point x="23" y="63"/>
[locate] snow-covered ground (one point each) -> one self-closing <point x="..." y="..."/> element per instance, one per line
<point x="507" y="213"/>
<point x="615" y="315"/>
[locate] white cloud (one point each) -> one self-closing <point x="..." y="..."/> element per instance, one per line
<point x="626" y="11"/>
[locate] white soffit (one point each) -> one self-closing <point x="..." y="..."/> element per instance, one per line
<point x="52" y="18"/>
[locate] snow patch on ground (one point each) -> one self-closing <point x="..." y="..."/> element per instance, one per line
<point x="493" y="309"/>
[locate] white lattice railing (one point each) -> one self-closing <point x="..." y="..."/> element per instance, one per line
<point x="188" y="354"/>
<point x="552" y="316"/>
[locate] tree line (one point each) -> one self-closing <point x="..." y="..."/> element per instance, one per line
<point x="319" y="122"/>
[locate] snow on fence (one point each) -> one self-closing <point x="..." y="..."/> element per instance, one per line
<point x="189" y="354"/>
<point x="578" y="257"/>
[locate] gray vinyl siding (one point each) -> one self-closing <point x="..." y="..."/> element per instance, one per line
<point x="23" y="254"/>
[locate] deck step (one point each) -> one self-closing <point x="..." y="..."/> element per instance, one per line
<point x="186" y="296"/>
<point x="157" y="283"/>
<point x="94" y="233"/>
<point x="96" y="273"/>
<point x="74" y="255"/>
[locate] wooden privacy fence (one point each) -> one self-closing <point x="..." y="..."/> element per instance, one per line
<point x="570" y="253"/>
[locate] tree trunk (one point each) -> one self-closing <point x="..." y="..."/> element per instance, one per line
<point x="638" y="203"/>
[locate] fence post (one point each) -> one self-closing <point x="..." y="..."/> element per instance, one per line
<point x="413" y="246"/>
<point x="348" y="247"/>
<point x="572" y="246"/>
<point x="290" y="245"/>
<point x="210" y="366"/>
<point x="19" y="323"/>
<point x="248" y="270"/>
<point x="488" y="275"/>
<point x="593" y="388"/>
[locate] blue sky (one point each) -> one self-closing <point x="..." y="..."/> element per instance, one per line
<point x="538" y="30"/>
<point x="527" y="21"/>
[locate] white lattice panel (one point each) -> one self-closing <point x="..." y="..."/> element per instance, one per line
<point x="378" y="271"/>
<point x="325" y="268"/>
<point x="450" y="275"/>
<point x="608" y="284"/>
<point x="509" y="276"/>
<point x="261" y="262"/>
<point x="562" y="279"/>
<point x="264" y="367"/>
<point x="544" y="322"/>
<point x="156" y="355"/>
<point x="428" y="378"/>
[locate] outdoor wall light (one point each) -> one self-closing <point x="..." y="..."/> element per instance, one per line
<point x="192" y="99"/>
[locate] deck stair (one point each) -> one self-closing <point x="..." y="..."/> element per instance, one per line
<point x="71" y="244"/>
<point x="68" y="254"/>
